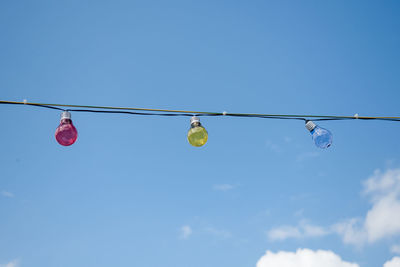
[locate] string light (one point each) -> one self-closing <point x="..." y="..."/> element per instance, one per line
<point x="321" y="137"/>
<point x="66" y="133"/>
<point x="197" y="135"/>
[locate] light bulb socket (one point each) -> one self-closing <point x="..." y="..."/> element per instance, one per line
<point x="310" y="125"/>
<point x="194" y="121"/>
<point x="65" y="115"/>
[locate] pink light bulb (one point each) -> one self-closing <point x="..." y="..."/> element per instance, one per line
<point x="66" y="133"/>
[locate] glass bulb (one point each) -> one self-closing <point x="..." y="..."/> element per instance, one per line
<point x="66" y="133"/>
<point x="321" y="137"/>
<point x="197" y="135"/>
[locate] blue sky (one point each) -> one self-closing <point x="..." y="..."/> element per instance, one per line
<point x="132" y="192"/>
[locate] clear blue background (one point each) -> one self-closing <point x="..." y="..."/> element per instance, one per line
<point x="121" y="193"/>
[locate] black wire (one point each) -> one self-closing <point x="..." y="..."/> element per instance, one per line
<point x="130" y="112"/>
<point x="333" y="119"/>
<point x="305" y="119"/>
<point x="355" y="118"/>
<point x="35" y="105"/>
<point x="262" y="117"/>
<point x="210" y="115"/>
<point x="44" y="106"/>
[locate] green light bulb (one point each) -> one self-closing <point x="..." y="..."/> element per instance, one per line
<point x="197" y="135"/>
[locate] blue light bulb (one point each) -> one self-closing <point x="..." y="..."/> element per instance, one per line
<point x="321" y="137"/>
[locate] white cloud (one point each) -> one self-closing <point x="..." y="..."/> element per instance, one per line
<point x="395" y="262"/>
<point x="351" y="231"/>
<point x="6" y="194"/>
<point x="283" y="232"/>
<point x="383" y="219"/>
<point x="14" y="263"/>
<point x="185" y="232"/>
<point x="303" y="230"/>
<point x="383" y="183"/>
<point x="304" y="258"/>
<point x="395" y="249"/>
<point x="313" y="230"/>
<point x="223" y="187"/>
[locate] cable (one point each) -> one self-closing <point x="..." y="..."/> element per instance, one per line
<point x="128" y="112"/>
<point x="66" y="133"/>
<point x="186" y="113"/>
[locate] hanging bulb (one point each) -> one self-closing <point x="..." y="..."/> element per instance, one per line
<point x="197" y="135"/>
<point x="66" y="133"/>
<point x="321" y="137"/>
